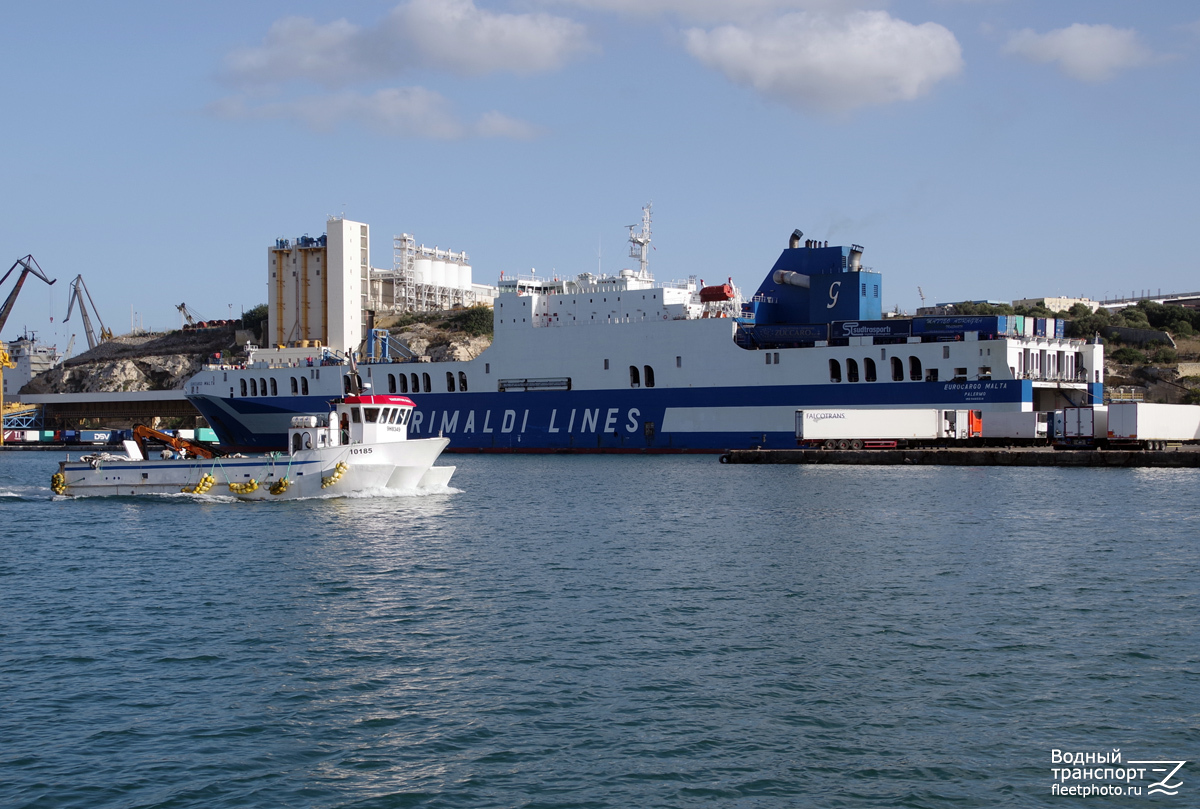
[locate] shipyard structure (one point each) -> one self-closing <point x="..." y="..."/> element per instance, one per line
<point x="321" y="289"/>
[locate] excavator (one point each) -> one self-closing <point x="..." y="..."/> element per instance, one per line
<point x="28" y="265"/>
<point x="182" y="445"/>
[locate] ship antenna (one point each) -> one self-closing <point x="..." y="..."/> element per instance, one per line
<point x="638" y="242"/>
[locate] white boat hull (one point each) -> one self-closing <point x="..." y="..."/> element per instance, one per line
<point x="405" y="465"/>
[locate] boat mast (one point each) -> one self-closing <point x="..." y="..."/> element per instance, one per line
<point x="638" y="242"/>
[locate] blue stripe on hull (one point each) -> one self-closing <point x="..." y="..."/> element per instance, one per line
<point x="607" y="421"/>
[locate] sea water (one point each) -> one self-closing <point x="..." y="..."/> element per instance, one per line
<point x="606" y="632"/>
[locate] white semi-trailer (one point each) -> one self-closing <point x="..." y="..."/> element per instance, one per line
<point x="1026" y="425"/>
<point x="850" y="428"/>
<point x="1080" y="426"/>
<point x="1152" y="425"/>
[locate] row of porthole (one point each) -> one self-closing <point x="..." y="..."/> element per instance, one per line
<point x="258" y="387"/>
<point x="414" y="383"/>
<point x="869" y="374"/>
<point x="637" y="379"/>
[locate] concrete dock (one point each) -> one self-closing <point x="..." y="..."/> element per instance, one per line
<point x="1168" y="459"/>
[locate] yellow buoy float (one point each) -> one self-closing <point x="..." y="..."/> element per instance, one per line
<point x="244" y="488"/>
<point x="58" y="483"/>
<point x="280" y="486"/>
<point x="206" y="482"/>
<point x="338" y="471"/>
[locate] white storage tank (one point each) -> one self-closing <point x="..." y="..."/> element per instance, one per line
<point x="464" y="277"/>
<point x="438" y="274"/>
<point x="423" y="270"/>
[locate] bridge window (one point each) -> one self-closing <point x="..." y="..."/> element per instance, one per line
<point x="243" y="381"/>
<point x="649" y="376"/>
<point x="428" y="383"/>
<point x="295" y="386"/>
<point x="370" y="414"/>
<point x="253" y="387"/>
<point x="869" y="369"/>
<point x="634" y="377"/>
<point x="897" y="370"/>
<point x="404" y="383"/>
<point x="462" y="380"/>
<point x="416" y="384"/>
<point x="274" y="387"/>
<point x="262" y="386"/>
<point x="835" y="371"/>
<point x="391" y="383"/>
<point x="851" y="370"/>
<point x="303" y="386"/>
<point x="914" y="369"/>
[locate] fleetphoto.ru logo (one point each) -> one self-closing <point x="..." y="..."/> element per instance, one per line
<point x="1083" y="775"/>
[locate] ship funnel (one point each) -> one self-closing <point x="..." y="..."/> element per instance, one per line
<point x="797" y="235"/>
<point x="855" y="257"/>
<point x="792" y="279"/>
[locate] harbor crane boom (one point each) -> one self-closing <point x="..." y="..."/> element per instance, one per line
<point x="28" y="265"/>
<point x="189" y="314"/>
<point x="77" y="295"/>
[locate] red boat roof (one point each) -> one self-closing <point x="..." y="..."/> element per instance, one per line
<point x="380" y="399"/>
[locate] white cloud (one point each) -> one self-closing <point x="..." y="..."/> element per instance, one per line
<point x="834" y="63"/>
<point x="1084" y="52"/>
<point x="711" y="10"/>
<point x="456" y="36"/>
<point x="296" y="47"/>
<point x="407" y="112"/>
<point x="451" y="35"/>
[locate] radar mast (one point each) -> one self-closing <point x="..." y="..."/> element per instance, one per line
<point x="638" y="242"/>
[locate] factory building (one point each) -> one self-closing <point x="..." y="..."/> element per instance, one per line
<point x="321" y="289"/>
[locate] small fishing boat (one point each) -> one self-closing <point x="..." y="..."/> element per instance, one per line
<point x="360" y="445"/>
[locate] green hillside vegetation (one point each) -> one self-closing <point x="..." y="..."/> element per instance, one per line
<point x="475" y="321"/>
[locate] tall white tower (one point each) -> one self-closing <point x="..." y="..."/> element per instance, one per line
<point x="317" y="287"/>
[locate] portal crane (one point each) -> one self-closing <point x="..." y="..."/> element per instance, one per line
<point x="28" y="265"/>
<point x="77" y="295"/>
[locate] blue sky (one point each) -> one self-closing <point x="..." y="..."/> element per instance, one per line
<point x="978" y="149"/>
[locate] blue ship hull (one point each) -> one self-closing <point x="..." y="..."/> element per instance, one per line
<point x="666" y="420"/>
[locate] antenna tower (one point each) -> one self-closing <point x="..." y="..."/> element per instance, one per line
<point x="638" y="242"/>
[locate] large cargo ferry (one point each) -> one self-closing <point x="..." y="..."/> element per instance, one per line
<point x="621" y="363"/>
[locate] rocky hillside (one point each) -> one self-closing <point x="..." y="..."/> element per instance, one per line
<point x="136" y="362"/>
<point x="166" y="361"/>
